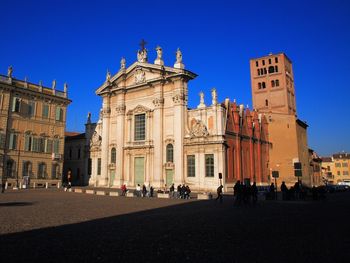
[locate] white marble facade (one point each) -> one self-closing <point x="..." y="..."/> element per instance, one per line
<point x="146" y="134"/>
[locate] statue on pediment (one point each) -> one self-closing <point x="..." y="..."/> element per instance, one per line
<point x="178" y="64"/>
<point x="108" y="76"/>
<point x="122" y="63"/>
<point x="54" y="84"/>
<point x="140" y="76"/>
<point x="159" y="59"/>
<point x="214" y="97"/>
<point x="96" y="139"/>
<point x="9" y="71"/>
<point x="142" y="55"/>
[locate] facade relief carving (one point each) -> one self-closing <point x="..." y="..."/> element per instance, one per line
<point x="139" y="109"/>
<point x="96" y="140"/>
<point x="198" y="129"/>
<point x="140" y="76"/>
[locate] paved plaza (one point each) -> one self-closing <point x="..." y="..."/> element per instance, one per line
<point x="56" y="226"/>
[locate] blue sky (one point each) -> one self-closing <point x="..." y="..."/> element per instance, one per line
<point x="76" y="41"/>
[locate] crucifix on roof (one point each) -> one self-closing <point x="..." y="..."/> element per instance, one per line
<point x="143" y="44"/>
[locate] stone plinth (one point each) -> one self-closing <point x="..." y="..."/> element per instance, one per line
<point x="91" y="192"/>
<point x="160" y="195"/>
<point x="204" y="196"/>
<point x="78" y="190"/>
<point x="100" y="193"/>
<point x="113" y="194"/>
<point x="129" y="194"/>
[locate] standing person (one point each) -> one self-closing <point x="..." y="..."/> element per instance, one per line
<point x="123" y="190"/>
<point x="254" y="192"/>
<point x="138" y="190"/>
<point x="219" y="192"/>
<point x="179" y="191"/>
<point x="151" y="191"/>
<point x="284" y="190"/>
<point x="172" y="189"/>
<point x="272" y="191"/>
<point x="144" y="191"/>
<point x="148" y="190"/>
<point x="69" y="178"/>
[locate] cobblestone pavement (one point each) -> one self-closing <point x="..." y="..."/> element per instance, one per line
<point x="56" y="226"/>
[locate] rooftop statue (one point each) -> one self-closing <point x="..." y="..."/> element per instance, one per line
<point x="108" y="76"/>
<point x="122" y="63"/>
<point x="178" y="56"/>
<point x="54" y="84"/>
<point x="9" y="71"/>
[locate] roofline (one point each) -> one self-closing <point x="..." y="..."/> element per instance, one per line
<point x="267" y="56"/>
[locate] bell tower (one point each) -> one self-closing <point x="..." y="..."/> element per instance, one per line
<point x="273" y="84"/>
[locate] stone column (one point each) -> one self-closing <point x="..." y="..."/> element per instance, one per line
<point x="158" y="180"/>
<point x="179" y="125"/>
<point x="103" y="180"/>
<point x="118" y="179"/>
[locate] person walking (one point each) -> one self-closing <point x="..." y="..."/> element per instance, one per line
<point x="219" y="192"/>
<point x="284" y="190"/>
<point x="254" y="192"/>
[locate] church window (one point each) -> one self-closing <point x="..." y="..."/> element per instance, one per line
<point x="276" y="59"/>
<point x="263" y="85"/>
<point x="170" y="153"/>
<point x="209" y="165"/>
<point x="269" y="60"/>
<point x="259" y="85"/>
<point x="191" y="166"/>
<point x="271" y="69"/>
<point x="272" y="83"/>
<point x="113" y="155"/>
<point x="277" y="83"/>
<point x="266" y="103"/>
<point x="276" y="68"/>
<point x="140" y="127"/>
<point x="258" y="72"/>
<point x="265" y="71"/>
<point x="257" y="63"/>
<point x="98" y="166"/>
<point x="263" y="62"/>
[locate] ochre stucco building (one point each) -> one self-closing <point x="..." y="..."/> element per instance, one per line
<point x="33" y="119"/>
<point x="273" y="94"/>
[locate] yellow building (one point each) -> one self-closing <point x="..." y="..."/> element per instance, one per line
<point x="273" y="94"/>
<point x="33" y="119"/>
<point x="341" y="167"/>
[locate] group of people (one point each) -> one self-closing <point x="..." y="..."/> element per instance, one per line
<point x="182" y="191"/>
<point x="245" y="193"/>
<point x="145" y="191"/>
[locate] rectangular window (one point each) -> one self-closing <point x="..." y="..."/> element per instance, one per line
<point x="48" y="146"/>
<point x="269" y="60"/>
<point x="257" y="63"/>
<point x="89" y="166"/>
<point x="276" y="59"/>
<point x="140" y="127"/>
<point x="45" y="112"/>
<point x="338" y="172"/>
<point x="328" y="168"/>
<point x="263" y="62"/>
<point x="277" y="82"/>
<point x="28" y="143"/>
<point x="191" y="166"/>
<point x="2" y="141"/>
<point x="13" y="141"/>
<point x="16" y="105"/>
<point x="209" y="165"/>
<point x="337" y="165"/>
<point x="31" y="108"/>
<point x="59" y="114"/>
<point x="56" y="146"/>
<point x="344" y="164"/>
<point x="345" y="172"/>
<point x="99" y="166"/>
<point x="41" y="142"/>
<point x="35" y="147"/>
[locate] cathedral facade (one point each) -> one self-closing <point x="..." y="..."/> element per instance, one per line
<point x="146" y="134"/>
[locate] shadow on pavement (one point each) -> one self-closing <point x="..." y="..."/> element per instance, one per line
<point x="202" y="231"/>
<point x="16" y="204"/>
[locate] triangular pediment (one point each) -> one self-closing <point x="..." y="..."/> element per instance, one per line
<point x="139" y="74"/>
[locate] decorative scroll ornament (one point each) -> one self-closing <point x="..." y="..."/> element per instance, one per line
<point x="120" y="109"/>
<point x="158" y="102"/>
<point x="199" y="129"/>
<point x="178" y="98"/>
<point x="140" y="76"/>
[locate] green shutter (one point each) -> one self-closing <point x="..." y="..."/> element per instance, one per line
<point x="13" y="104"/>
<point x="139" y="170"/>
<point x="11" y="141"/>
